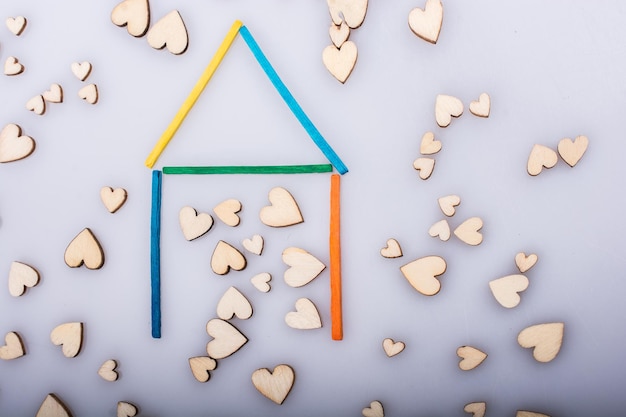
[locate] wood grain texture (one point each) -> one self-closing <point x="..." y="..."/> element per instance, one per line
<point x="84" y="249"/>
<point x="70" y="337"/>
<point x="275" y="384"/>
<point x="545" y="339"/>
<point x="447" y="107"/>
<point x="303" y="267"/>
<point x="421" y="274"/>
<point x="571" y="151"/>
<point x="170" y="32"/>
<point x="283" y="211"/>
<point x="426" y="23"/>
<point x="306" y="316"/>
<point x="22" y="277"/>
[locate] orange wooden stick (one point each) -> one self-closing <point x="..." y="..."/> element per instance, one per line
<point x="335" y="259"/>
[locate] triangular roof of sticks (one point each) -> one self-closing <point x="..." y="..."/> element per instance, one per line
<point x="239" y="28"/>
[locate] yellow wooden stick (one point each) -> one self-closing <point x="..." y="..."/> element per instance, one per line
<point x="193" y="96"/>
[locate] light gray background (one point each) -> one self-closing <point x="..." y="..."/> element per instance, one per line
<point x="553" y="70"/>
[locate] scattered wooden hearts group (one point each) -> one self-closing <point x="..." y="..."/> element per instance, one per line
<point x="468" y="231"/>
<point x="543" y="157"/>
<point x="506" y="289"/>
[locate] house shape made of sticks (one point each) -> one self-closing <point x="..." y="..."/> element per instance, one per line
<point x="335" y="164"/>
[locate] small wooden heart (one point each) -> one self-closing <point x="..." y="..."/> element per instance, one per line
<point x="13" y="145"/>
<point x="546" y="339"/>
<point x="421" y="274"/>
<point x="521" y="413"/>
<point x="37" y="105"/>
<point x="108" y="371"/>
<point x="275" y="384"/>
<point x="283" y="211"/>
<point x="304" y="267"/>
<point x="476" y="409"/>
<point x="84" y="249"/>
<point x="571" y="152"/>
<point x="21" y="277"/>
<point x="447" y="107"/>
<point x="261" y="281"/>
<point x="482" y="107"/>
<point x="54" y="94"/>
<point x="429" y="145"/>
<point x="506" y="289"/>
<point x="169" y="32"/>
<point x="89" y="93"/>
<point x="392" y="250"/>
<point x="306" y="316"/>
<point x="339" y="34"/>
<point x="374" y="410"/>
<point x="234" y="303"/>
<point x="440" y="229"/>
<point x="540" y="157"/>
<point x="351" y="11"/>
<point x="425" y="166"/>
<point x="126" y="409"/>
<point x="200" y="367"/>
<point x="226" y="339"/>
<point x="52" y="406"/>
<point x="16" y="24"/>
<point x="193" y="224"/>
<point x="14" y="347"/>
<point x="340" y="61"/>
<point x="254" y="245"/>
<point x="70" y="336"/>
<point x="113" y="199"/>
<point x="225" y="257"/>
<point x="12" y="66"/>
<point x="470" y="357"/>
<point x="134" y="14"/>
<point x="468" y="231"/>
<point x="524" y="263"/>
<point x="427" y="23"/>
<point x="227" y="211"/>
<point x="81" y="69"/>
<point x="448" y="204"/>
<point x="392" y="348"/>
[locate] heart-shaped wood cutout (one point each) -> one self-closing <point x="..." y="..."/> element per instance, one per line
<point x="12" y="66"/>
<point x="306" y="316"/>
<point x="392" y="250"/>
<point x="193" y="224"/>
<point x="227" y="211"/>
<point x="13" y="145"/>
<point x="126" y="409"/>
<point x="254" y="245"/>
<point x="546" y="339"/>
<point x="113" y="199"/>
<point x="506" y="289"/>
<point x="427" y="23"/>
<point x="425" y="166"/>
<point x="169" y="32"/>
<point x="421" y="274"/>
<point x="351" y="11"/>
<point x="81" y="69"/>
<point x="540" y="157"/>
<point x="374" y="410"/>
<point x="261" y="281"/>
<point x="468" y="231"/>
<point x="84" y="249"/>
<point x="70" y="336"/>
<point x="283" y="211"/>
<point x="448" y="204"/>
<point x="21" y="277"/>
<point x="54" y="94"/>
<point x="226" y="257"/>
<point x="13" y="348"/>
<point x="429" y="145"/>
<point x="16" y="24"/>
<point x="304" y="267"/>
<point x="524" y="263"/>
<point x="226" y="339"/>
<point x="476" y="409"/>
<point x="571" y="152"/>
<point x="521" y="413"/>
<point x="37" y="105"/>
<point x="89" y="93"/>
<point x="482" y="107"/>
<point x="340" y="61"/>
<point x="276" y="384"/>
<point x="200" y="367"/>
<point x="392" y="348"/>
<point x="339" y="34"/>
<point x="134" y="14"/>
<point x="52" y="406"/>
<point x="447" y="107"/>
<point x="234" y="303"/>
<point x="440" y="229"/>
<point x="107" y="371"/>
<point x="470" y="357"/>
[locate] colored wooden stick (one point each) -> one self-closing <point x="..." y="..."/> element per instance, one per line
<point x="265" y="169"/>
<point x="335" y="259"/>
<point x="155" y="254"/>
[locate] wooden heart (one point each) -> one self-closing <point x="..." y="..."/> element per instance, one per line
<point x="21" y="277"/>
<point x="482" y="107"/>
<point x="476" y="409"/>
<point x="12" y="66"/>
<point x="226" y="339"/>
<point x="52" y="406"/>
<point x="283" y="211"/>
<point x="540" y="157"/>
<point x="84" y="249"/>
<point x="340" y="61"/>
<point x="107" y="371"/>
<point x="226" y="257"/>
<point x="13" y="145"/>
<point x="374" y="410"/>
<point x="37" y="105"/>
<point x="234" y="303"/>
<point x="448" y="204"/>
<point x="306" y="316"/>
<point x="421" y="274"/>
<point x="304" y="267"/>
<point x="440" y="229"/>
<point x="427" y="23"/>
<point x="506" y="289"/>
<point x="227" y="211"/>
<point x="14" y="347"/>
<point x="392" y="348"/>
<point x="521" y="413"/>
<point x="126" y="409"/>
<point x="169" y="32"/>
<point x="468" y="231"/>
<point x="470" y="357"/>
<point x="392" y="250"/>
<point x="113" y="199"/>
<point x="89" y="93"/>
<point x="351" y="11"/>
<point x="70" y="336"/>
<point x="261" y="281"/>
<point x="16" y="24"/>
<point x="524" y="263"/>
<point x="447" y="107"/>
<point x="134" y="14"/>
<point x="81" y="69"/>
<point x="200" y="367"/>
<point x="425" y="166"/>
<point x="429" y="145"/>
<point x="254" y="245"/>
<point x="546" y="339"/>
<point x="339" y="34"/>
<point x="571" y="152"/>
<point x="193" y="224"/>
<point x="276" y="384"/>
<point x="54" y="94"/>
